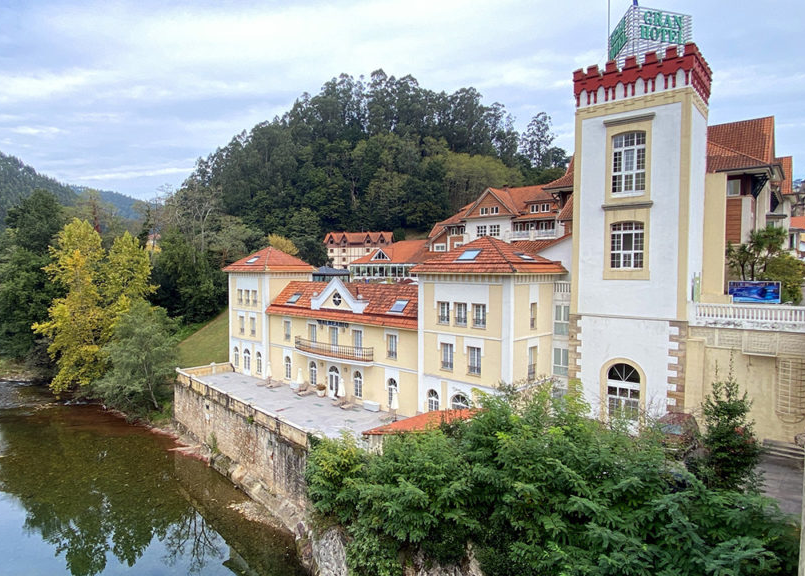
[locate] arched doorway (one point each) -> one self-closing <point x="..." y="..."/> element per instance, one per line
<point x="332" y="380"/>
<point x="623" y="392"/>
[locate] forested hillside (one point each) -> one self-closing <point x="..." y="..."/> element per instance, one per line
<point x="17" y="181"/>
<point x="378" y="154"/>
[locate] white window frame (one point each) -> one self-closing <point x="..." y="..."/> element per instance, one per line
<point x="447" y="356"/>
<point x="480" y="231"/>
<point x="286" y="328"/>
<point x="391" y="346"/>
<point x="288" y="367"/>
<point x="627" y="246"/>
<point x="247" y="360"/>
<point x="479" y="315"/>
<point x="443" y="312"/>
<point x="473" y="360"/>
<point x="460" y="401"/>
<point x="561" y="361"/>
<point x="494" y="230"/>
<point x="433" y="401"/>
<point x="357" y="384"/>
<point x="629" y="163"/>
<point x="561" y="319"/>
<point x="460" y="319"/>
<point x="357" y="338"/>
<point x="313" y="373"/>
<point x="623" y="392"/>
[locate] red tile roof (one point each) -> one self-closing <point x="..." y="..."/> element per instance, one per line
<point x="744" y="144"/>
<point x="379" y="298"/>
<point x="455" y="219"/>
<point x="787" y="183"/>
<point x="797" y="223"/>
<point x="402" y="252"/>
<point x="567" y="210"/>
<point x="537" y="246"/>
<point x="358" y="238"/>
<point x="494" y="257"/>
<point x="564" y="181"/>
<point x="422" y="422"/>
<point x="269" y="260"/>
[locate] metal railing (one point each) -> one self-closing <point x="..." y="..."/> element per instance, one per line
<point x="334" y="350"/>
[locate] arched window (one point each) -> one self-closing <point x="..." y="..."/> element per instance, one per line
<point x="459" y="402"/>
<point x="247" y="360"/>
<point x="433" y="400"/>
<point x="623" y="391"/>
<point x="259" y="359"/>
<point x="287" y="367"/>
<point x="312" y="373"/>
<point x="357" y="380"/>
<point x="392" y="386"/>
<point x="236" y="357"/>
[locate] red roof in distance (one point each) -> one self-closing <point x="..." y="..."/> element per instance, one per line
<point x="422" y="422"/>
<point x="268" y="260"/>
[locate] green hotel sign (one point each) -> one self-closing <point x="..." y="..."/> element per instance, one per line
<point x="644" y="30"/>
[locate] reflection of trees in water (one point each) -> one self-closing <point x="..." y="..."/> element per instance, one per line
<point x="91" y="486"/>
<point x="192" y="538"/>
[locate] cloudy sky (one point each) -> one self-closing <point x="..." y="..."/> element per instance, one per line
<point x="125" y="95"/>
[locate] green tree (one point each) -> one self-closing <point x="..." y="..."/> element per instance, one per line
<point x="535" y="144"/>
<point x="25" y="291"/>
<point x="283" y="244"/>
<point x="749" y="260"/>
<point x="142" y="355"/>
<point x="731" y="450"/>
<point x="76" y="321"/>
<point x="790" y="272"/>
<point x="126" y="274"/>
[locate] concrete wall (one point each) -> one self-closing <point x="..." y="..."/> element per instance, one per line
<point x="268" y="449"/>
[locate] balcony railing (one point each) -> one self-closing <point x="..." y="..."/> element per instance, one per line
<point x="532" y="372"/>
<point x="532" y="234"/>
<point x="750" y="316"/>
<point x="335" y="350"/>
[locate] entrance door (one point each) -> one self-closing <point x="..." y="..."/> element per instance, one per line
<point x="332" y="377"/>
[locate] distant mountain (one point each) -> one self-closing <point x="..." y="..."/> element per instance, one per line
<point x="126" y="205"/>
<point x="18" y="180"/>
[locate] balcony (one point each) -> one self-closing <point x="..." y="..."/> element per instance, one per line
<point x="532" y="234"/>
<point x="750" y="316"/>
<point x="353" y="353"/>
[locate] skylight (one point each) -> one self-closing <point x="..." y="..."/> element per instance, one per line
<point x="252" y="260"/>
<point x="294" y="298"/>
<point x="524" y="256"/>
<point x="468" y="255"/>
<point x="399" y="306"/>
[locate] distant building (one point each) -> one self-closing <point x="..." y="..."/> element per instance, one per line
<point x="345" y="247"/>
<point x="392" y="263"/>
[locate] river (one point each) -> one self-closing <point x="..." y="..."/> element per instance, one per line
<point x="84" y="493"/>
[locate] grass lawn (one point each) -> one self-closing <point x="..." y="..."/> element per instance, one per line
<point x="206" y="345"/>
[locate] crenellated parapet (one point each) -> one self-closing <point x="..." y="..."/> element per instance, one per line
<point x="659" y="72"/>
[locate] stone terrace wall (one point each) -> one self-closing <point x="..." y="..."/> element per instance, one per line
<point x="267" y="449"/>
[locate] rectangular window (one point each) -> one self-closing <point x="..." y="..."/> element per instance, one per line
<point x="241" y="324"/>
<point x="440" y="248"/>
<point x="545" y="207"/>
<point x="534" y="310"/>
<point x="561" y="320"/>
<point x="534" y="208"/>
<point x="444" y="312"/>
<point x="286" y="328"/>
<point x="480" y="231"/>
<point x="560" y="361"/>
<point x="447" y="356"/>
<point x="733" y="188"/>
<point x="391" y="346"/>
<point x="311" y="332"/>
<point x="460" y="311"/>
<point x="494" y="230"/>
<point x="240" y="296"/>
<point x="493" y="210"/>
<point x="626" y="245"/>
<point x="532" y="363"/>
<point x="623" y="401"/>
<point x="253" y="326"/>
<point x="629" y="163"/>
<point x="484" y="211"/>
<point x="254" y="297"/>
<point x="473" y="360"/>
<point x="479" y="315"/>
<point x="357" y="338"/>
<point x="246" y="297"/>
<point x="334" y="335"/>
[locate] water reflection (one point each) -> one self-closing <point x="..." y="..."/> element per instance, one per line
<point x="105" y="495"/>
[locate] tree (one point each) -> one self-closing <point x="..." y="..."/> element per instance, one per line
<point x="283" y="244"/>
<point x="750" y="260"/>
<point x="537" y="140"/>
<point x="731" y="450"/>
<point x="76" y="321"/>
<point x="540" y="489"/>
<point x="126" y="274"/>
<point x="25" y="291"/>
<point x="142" y="356"/>
<point x="790" y="272"/>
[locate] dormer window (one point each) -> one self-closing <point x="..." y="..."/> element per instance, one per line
<point x="545" y="207"/>
<point x="534" y="208"/>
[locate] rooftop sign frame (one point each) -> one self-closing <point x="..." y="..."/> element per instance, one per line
<point x="643" y="30"/>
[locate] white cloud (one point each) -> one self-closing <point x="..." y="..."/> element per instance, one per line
<point x="37" y="130"/>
